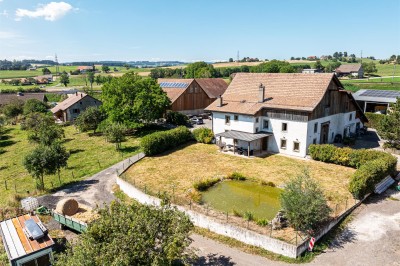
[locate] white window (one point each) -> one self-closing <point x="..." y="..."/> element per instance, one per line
<point x="351" y="117"/>
<point x="316" y="127"/>
<point x="283" y="143"/>
<point x="296" y="146"/>
<point x="284" y="127"/>
<point x="266" y="124"/>
<point x="227" y="119"/>
<point x="257" y="120"/>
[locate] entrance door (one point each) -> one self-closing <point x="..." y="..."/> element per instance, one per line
<point x="324" y="133"/>
<point x="264" y="143"/>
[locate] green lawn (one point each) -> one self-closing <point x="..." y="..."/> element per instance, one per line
<point x="89" y="155"/>
<point x="371" y="86"/>
<point x="372" y="80"/>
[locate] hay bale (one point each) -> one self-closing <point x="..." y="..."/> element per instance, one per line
<point x="85" y="214"/>
<point x="67" y="207"/>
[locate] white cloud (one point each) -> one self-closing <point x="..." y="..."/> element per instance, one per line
<point x="51" y="11"/>
<point x="4" y="13"/>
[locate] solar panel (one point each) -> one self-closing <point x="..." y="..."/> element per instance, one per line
<point x="173" y="84"/>
<point x="380" y="93"/>
<point x="33" y="229"/>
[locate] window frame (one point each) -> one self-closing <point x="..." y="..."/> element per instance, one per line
<point x="235" y="117"/>
<point x="286" y="127"/>
<point x="294" y="146"/>
<point x="227" y="119"/>
<point x="266" y="121"/>
<point x="281" y="146"/>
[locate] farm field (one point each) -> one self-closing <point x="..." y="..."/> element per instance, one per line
<point x="89" y="155"/>
<point x="177" y="171"/>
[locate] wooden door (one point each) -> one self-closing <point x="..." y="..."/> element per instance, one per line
<point x="324" y="133"/>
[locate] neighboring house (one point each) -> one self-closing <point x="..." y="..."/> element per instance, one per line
<point x="310" y="71"/>
<point x="44" y="79"/>
<point x="6" y="98"/>
<point x="70" y="108"/>
<point x="312" y="57"/>
<point x="26" y="241"/>
<point x="356" y="70"/>
<point x="284" y="113"/>
<point x="84" y="69"/>
<point x="376" y="101"/>
<point x="191" y="96"/>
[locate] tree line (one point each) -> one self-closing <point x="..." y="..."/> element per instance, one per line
<point x="204" y="70"/>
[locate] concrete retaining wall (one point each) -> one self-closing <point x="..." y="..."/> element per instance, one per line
<point x="200" y="220"/>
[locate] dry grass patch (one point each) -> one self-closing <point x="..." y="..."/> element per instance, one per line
<point x="177" y="171"/>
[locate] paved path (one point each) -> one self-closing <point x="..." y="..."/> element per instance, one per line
<point x="93" y="191"/>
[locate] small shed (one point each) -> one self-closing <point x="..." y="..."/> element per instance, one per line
<point x="26" y="241"/>
<point x="376" y="101"/>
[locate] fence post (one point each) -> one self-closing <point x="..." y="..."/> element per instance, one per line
<point x="226" y="216"/>
<point x="73" y="174"/>
<point x="145" y="189"/>
<point x="346" y="203"/>
<point x="98" y="161"/>
<point x="190" y="204"/>
<point x="5" y="184"/>
<point x="270" y="234"/>
<point x="15" y="187"/>
<point x="336" y="211"/>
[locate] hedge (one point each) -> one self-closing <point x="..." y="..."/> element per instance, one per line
<point x="176" y="118"/>
<point x="372" y="166"/>
<point x="203" y="135"/>
<point x="159" y="142"/>
<point x="374" y="120"/>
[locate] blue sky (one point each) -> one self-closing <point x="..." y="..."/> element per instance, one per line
<point x="186" y="30"/>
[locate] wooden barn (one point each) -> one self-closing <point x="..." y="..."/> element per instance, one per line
<point x="192" y="96"/>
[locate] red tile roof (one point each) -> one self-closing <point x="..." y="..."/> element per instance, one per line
<point x="291" y="91"/>
<point x="348" y="68"/>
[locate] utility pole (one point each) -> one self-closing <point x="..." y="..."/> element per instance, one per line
<point x="57" y="67"/>
<point x="237" y="56"/>
<point x="361" y="56"/>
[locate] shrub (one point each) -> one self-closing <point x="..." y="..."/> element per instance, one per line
<point x="304" y="202"/>
<point x="203" y="135"/>
<point x="249" y="216"/>
<point x="159" y="142"/>
<point x="374" y="120"/>
<point x="203" y="185"/>
<point x="267" y="183"/>
<point x="372" y="165"/>
<point x="262" y="222"/>
<point x="369" y="174"/>
<point x="236" y="176"/>
<point x="176" y="118"/>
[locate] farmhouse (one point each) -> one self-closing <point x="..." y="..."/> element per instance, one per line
<point x="70" y="108"/>
<point x="356" y="70"/>
<point x="6" y="98"/>
<point x="310" y="71"/>
<point x="376" y="101"/>
<point x="45" y="79"/>
<point x="26" y="241"/>
<point x="283" y="113"/>
<point x="84" y="69"/>
<point x="191" y="96"/>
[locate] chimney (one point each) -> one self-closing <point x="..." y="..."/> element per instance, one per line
<point x="76" y="93"/>
<point x="81" y="95"/>
<point x="220" y="101"/>
<point x="261" y="93"/>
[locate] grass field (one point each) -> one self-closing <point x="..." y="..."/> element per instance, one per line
<point x="89" y="155"/>
<point x="176" y="172"/>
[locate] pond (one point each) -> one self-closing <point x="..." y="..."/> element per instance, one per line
<point x="242" y="196"/>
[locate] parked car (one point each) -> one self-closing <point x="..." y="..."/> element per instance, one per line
<point x="197" y="120"/>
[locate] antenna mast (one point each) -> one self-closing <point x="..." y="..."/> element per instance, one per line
<point x="237" y="57"/>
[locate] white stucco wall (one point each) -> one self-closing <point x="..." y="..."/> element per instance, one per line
<point x="302" y="132"/>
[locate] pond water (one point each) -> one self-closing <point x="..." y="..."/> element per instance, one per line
<point x="242" y="196"/>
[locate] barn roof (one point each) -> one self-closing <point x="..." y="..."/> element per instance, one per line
<point x="6" y="98"/>
<point x="348" y="68"/>
<point x="383" y="96"/>
<point x="213" y="87"/>
<point x="291" y="91"/>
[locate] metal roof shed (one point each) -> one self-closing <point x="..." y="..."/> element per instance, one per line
<point x="21" y="249"/>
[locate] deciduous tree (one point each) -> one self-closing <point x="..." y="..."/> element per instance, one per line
<point x="90" y="78"/>
<point x="89" y="119"/>
<point x="64" y="79"/>
<point x="105" y="69"/>
<point x="34" y="106"/>
<point x="304" y="202"/>
<point x="389" y="128"/>
<point x="132" y="235"/>
<point x="133" y="100"/>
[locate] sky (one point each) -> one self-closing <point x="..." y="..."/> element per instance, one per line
<point x="189" y="30"/>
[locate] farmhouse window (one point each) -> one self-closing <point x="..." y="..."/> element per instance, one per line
<point x="75" y="111"/>
<point x="257" y="120"/>
<point x="80" y="102"/>
<point x="296" y="146"/>
<point x="316" y="127"/>
<point x="266" y="124"/>
<point x="351" y="117"/>
<point x="256" y="129"/>
<point x="283" y="143"/>
<point x="314" y="141"/>
<point x="235" y="117"/>
<point x="284" y="127"/>
<point x="227" y="119"/>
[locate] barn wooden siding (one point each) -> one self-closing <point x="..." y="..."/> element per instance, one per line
<point x="193" y="98"/>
